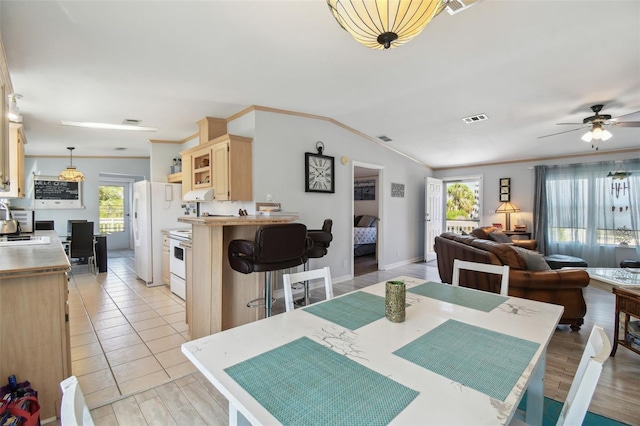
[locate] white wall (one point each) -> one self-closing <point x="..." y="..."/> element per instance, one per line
<point x="522" y="183"/>
<point x="91" y="167"/>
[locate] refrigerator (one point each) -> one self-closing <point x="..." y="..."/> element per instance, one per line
<point x="156" y="206"/>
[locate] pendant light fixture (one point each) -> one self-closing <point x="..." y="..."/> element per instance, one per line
<point x="70" y="174"/>
<point x="597" y="133"/>
<point x="383" y="24"/>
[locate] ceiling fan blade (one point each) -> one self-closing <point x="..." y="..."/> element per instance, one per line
<point x="559" y="133"/>
<point x="624" y="115"/>
<point x="626" y="123"/>
<point x="573" y="124"/>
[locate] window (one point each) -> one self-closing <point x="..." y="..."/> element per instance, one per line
<point x="463" y="203"/>
<point x="111" y="209"/>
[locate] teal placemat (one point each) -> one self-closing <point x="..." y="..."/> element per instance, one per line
<point x="351" y="311"/>
<point x="478" y="300"/>
<point x="305" y="383"/>
<point x="481" y="359"/>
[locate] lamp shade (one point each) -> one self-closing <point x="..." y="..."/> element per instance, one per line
<point x="507" y="207"/>
<point x="71" y="174"/>
<point x="382" y="24"/>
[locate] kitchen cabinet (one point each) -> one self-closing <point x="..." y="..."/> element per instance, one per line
<point x="166" y="258"/>
<point x="16" y="162"/>
<point x="224" y="164"/>
<point x="34" y="319"/>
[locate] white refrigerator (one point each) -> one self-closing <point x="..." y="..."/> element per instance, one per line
<point x="156" y="206"/>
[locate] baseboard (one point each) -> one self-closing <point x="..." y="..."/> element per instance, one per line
<point x="401" y="263"/>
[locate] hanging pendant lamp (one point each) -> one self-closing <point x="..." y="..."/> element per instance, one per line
<point x="383" y="24"/>
<point x="70" y="174"/>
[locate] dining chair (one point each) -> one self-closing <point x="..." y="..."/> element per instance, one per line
<point x="481" y="267"/>
<point x="83" y="244"/>
<point x="73" y="410"/>
<point x="301" y="277"/>
<point x="584" y="382"/>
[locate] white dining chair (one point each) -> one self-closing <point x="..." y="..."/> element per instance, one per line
<point x="300" y="277"/>
<point x="481" y="267"/>
<point x="73" y="410"/>
<point x="584" y="382"/>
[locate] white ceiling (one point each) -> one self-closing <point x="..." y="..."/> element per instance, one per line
<point x="527" y="65"/>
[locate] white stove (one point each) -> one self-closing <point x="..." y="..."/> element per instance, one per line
<point x="177" y="262"/>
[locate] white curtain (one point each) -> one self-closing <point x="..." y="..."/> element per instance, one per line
<point x="588" y="214"/>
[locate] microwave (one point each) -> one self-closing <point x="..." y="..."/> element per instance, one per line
<point x="25" y="218"/>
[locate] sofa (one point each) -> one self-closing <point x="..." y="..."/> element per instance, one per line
<point x="527" y="279"/>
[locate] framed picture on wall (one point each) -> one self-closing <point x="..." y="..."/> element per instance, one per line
<point x="505" y="182"/>
<point x="505" y="189"/>
<point x="504" y="197"/>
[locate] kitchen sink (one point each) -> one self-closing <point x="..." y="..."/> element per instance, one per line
<point x="23" y="240"/>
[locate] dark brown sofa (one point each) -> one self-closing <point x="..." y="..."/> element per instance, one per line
<point x="560" y="287"/>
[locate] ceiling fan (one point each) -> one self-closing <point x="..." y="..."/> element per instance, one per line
<point x="597" y="123"/>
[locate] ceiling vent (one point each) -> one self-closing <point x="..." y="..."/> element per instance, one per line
<point x="457" y="6"/>
<point x="120" y="148"/>
<point x="384" y="138"/>
<point x="131" y="122"/>
<point x="475" y="118"/>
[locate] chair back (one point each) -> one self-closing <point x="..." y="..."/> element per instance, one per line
<point x="74" y="410"/>
<point x="82" y="241"/>
<point x="45" y="225"/>
<point x="321" y="240"/>
<point x="482" y="267"/>
<point x="298" y="277"/>
<point x="586" y="378"/>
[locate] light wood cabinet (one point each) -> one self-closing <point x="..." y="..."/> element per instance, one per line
<point x="16" y="162"/>
<point x="166" y="258"/>
<point x="224" y="164"/>
<point x="34" y="332"/>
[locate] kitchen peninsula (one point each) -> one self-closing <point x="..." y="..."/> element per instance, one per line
<point x="34" y="327"/>
<point x="217" y="295"/>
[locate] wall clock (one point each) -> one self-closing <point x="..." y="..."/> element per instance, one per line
<point x="319" y="171"/>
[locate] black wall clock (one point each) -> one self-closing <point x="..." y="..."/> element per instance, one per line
<point x="319" y="171"/>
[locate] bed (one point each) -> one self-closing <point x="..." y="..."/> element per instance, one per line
<point x="365" y="235"/>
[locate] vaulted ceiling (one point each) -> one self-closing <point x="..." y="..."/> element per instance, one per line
<point x="527" y="65"/>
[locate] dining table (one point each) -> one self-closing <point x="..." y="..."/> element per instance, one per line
<point x="460" y="357"/>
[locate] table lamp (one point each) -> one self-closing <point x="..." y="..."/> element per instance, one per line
<point x="507" y="208"/>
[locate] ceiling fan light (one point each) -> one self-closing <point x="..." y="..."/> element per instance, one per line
<point x="597" y="132"/>
<point x="383" y="24"/>
<point x="606" y="135"/>
<point x="587" y="137"/>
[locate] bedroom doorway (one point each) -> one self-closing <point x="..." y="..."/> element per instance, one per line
<point x="367" y="199"/>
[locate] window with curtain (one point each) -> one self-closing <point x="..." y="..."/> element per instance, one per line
<point x="591" y="209"/>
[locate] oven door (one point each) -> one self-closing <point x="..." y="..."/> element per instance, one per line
<point x="176" y="263"/>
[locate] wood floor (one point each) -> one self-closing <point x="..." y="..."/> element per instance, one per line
<point x="193" y="400"/>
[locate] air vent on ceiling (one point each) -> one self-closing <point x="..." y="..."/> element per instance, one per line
<point x="457" y="6"/>
<point x="384" y="138"/>
<point x="475" y="118"/>
<point x="131" y="121"/>
<point x="120" y="148"/>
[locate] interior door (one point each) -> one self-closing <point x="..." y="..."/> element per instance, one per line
<point x="433" y="213"/>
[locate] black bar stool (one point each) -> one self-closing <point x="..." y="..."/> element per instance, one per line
<point x="321" y="240"/>
<point x="275" y="247"/>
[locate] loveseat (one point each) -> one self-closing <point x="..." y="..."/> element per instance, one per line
<point x="560" y="287"/>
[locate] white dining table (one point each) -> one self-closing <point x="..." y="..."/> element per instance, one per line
<point x="460" y="357"/>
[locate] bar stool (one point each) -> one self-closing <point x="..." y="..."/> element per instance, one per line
<point x="275" y="247"/>
<point x="321" y="240"/>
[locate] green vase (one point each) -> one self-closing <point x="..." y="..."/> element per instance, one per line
<point x="394" y="301"/>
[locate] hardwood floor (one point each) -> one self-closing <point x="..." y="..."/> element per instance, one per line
<point x="364" y="264"/>
<point x="193" y="400"/>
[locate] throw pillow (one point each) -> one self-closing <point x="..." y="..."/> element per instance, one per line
<point x="366" y="221"/>
<point x="534" y="260"/>
<point x="499" y="237"/>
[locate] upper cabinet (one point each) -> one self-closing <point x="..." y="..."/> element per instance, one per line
<point x="15" y="187"/>
<point x="224" y="164"/>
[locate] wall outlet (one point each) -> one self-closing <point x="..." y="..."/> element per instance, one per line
<point x="397" y="252"/>
<point x="269" y="198"/>
<point x="344" y="263"/>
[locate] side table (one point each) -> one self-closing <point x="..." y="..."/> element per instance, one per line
<point x="628" y="303"/>
<point x="512" y="233"/>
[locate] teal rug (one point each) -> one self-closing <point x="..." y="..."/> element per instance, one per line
<point x="552" y="410"/>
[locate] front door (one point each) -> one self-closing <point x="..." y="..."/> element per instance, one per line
<point x="115" y="215"/>
<point x="432" y="216"/>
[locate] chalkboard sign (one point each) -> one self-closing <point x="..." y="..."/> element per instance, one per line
<point x="49" y="192"/>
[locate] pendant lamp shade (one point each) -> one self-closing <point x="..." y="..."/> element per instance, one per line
<point x="71" y="174"/>
<point x="383" y="24"/>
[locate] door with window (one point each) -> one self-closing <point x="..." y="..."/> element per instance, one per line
<point x="115" y="217"/>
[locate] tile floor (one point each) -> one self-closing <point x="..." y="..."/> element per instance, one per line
<point x="125" y="336"/>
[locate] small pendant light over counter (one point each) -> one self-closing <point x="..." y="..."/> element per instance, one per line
<point x="70" y="174"/>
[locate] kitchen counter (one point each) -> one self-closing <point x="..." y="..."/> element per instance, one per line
<point x="217" y="295"/>
<point x="36" y="258"/>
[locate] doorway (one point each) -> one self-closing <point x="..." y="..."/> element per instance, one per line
<point x="115" y="212"/>
<point x="367" y="213"/>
